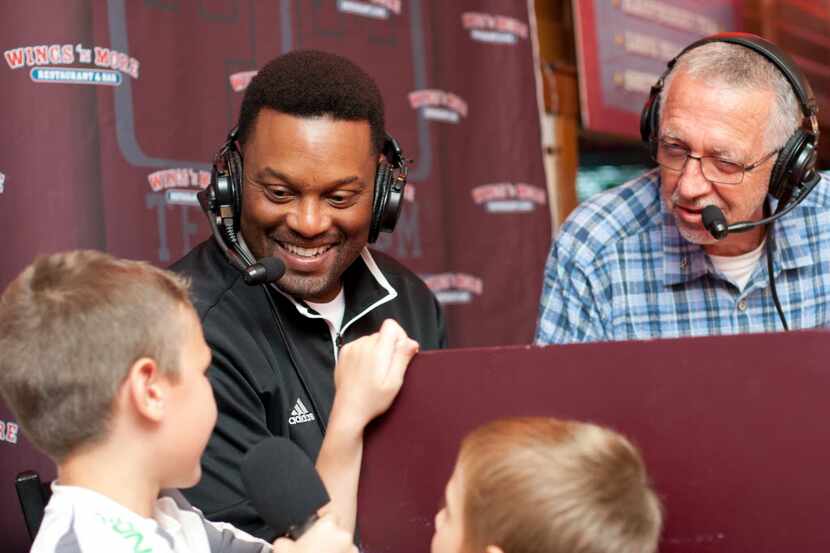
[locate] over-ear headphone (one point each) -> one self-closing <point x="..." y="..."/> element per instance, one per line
<point x="794" y="170"/>
<point x="225" y="189"/>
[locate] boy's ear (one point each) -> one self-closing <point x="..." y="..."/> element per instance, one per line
<point x="146" y="389"/>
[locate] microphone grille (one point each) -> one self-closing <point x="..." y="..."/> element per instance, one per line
<point x="274" y="268"/>
<point x="714" y="221"/>
<point x="267" y="269"/>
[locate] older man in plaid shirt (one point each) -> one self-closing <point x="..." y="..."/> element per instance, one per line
<point x="636" y="262"/>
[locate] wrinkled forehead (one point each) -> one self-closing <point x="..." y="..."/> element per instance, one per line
<point x="716" y="117"/>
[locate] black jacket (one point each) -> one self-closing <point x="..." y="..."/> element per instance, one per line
<point x="264" y="388"/>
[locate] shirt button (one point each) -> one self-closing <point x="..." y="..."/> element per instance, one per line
<point x="742" y="305"/>
<point x="684" y="262"/>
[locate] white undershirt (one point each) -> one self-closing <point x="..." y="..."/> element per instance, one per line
<point x="332" y="311"/>
<point x="738" y="268"/>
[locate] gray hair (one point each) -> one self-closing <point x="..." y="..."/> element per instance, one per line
<point x="737" y="65"/>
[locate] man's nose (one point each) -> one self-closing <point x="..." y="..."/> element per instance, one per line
<point x="691" y="183"/>
<point x="309" y="218"/>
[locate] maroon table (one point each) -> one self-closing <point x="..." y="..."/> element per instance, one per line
<point x="733" y="430"/>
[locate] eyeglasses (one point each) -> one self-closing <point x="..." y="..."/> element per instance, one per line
<point x="674" y="156"/>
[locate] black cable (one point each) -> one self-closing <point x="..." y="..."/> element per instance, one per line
<point x="769" y="248"/>
<point x="772" y="283"/>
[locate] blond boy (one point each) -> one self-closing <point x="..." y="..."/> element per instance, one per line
<point x="540" y="485"/>
<point x="104" y="366"/>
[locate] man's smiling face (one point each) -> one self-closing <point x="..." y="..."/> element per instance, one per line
<point x="307" y="197"/>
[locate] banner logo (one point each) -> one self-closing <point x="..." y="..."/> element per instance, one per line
<point x="55" y="64"/>
<point x="438" y="105"/>
<point x="376" y="9"/>
<point x="454" y="287"/>
<point x="496" y="29"/>
<point x="9" y="432"/>
<point x="506" y="197"/>
<point x="180" y="186"/>
<point x="2" y="183"/>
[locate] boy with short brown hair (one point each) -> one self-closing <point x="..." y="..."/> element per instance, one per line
<point x="541" y="485"/>
<point x="104" y="365"/>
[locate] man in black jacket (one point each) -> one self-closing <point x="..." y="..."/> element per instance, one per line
<point x="311" y="138"/>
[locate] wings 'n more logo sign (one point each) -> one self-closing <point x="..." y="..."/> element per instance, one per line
<point x="58" y="63"/>
<point x="454" y="287"/>
<point x="376" y="9"/>
<point x="9" y="432"/>
<point x="180" y="186"/>
<point x="506" y="197"/>
<point x="438" y="105"/>
<point x="497" y="29"/>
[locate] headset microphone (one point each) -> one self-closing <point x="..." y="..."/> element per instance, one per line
<point x="715" y="222"/>
<point x="267" y="269"/>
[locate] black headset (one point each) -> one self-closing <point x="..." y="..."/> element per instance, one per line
<point x="794" y="173"/>
<point x="225" y="189"/>
<point x="222" y="203"/>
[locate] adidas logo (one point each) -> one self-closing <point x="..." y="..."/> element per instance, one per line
<point x="299" y="414"/>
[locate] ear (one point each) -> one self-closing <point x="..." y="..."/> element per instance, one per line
<point x="147" y="389"/>
<point x="493" y="549"/>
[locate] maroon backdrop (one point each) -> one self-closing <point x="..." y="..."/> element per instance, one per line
<point x="113" y="109"/>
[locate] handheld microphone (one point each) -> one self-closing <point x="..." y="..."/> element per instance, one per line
<point x="283" y="485"/>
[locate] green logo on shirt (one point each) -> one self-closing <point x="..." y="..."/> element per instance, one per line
<point x="127" y="531"/>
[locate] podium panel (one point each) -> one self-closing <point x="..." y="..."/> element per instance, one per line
<point x="734" y="431"/>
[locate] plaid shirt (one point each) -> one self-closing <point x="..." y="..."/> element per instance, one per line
<point x="620" y="270"/>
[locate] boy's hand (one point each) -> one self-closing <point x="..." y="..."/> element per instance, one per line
<point x="370" y="371"/>
<point x="325" y="536"/>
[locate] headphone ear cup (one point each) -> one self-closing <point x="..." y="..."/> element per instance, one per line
<point x="383" y="181"/>
<point x="234" y="164"/>
<point x="649" y="123"/>
<point x="787" y="172"/>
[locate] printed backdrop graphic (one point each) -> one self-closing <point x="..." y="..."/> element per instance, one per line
<point x="113" y="110"/>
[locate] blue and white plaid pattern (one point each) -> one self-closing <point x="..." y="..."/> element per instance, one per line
<point x="620" y="270"/>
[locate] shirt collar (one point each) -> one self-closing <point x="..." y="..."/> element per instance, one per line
<point x="365" y="287"/>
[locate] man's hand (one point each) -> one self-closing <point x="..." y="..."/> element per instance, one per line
<point x="325" y="536"/>
<point x="370" y="372"/>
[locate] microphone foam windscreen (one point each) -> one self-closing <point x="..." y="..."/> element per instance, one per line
<point x="712" y="215"/>
<point x="282" y="483"/>
<point x="274" y="268"/>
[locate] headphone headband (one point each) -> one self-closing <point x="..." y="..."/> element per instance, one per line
<point x="769" y="51"/>
<point x="775" y="55"/>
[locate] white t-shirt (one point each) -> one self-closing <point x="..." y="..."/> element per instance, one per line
<point x="332" y="311"/>
<point x="79" y="520"/>
<point x="738" y="268"/>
